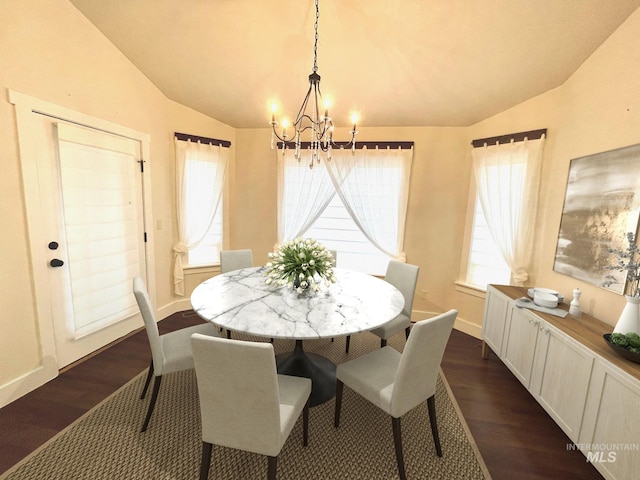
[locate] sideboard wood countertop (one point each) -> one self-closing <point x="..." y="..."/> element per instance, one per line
<point x="585" y="329"/>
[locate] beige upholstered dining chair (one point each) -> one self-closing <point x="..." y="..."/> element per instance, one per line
<point x="404" y="277"/>
<point x="398" y="382"/>
<point x="170" y="352"/>
<point x="235" y="259"/>
<point x="244" y="403"/>
<point x="231" y="260"/>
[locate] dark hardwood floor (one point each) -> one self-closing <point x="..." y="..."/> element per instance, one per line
<point x="516" y="437"/>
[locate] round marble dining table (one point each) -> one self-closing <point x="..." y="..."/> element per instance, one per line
<point x="241" y="301"/>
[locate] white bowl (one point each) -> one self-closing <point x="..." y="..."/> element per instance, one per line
<point x="546" y="290"/>
<point x="543" y="299"/>
<point x="532" y="291"/>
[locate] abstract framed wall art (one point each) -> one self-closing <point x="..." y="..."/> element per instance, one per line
<point x="602" y="204"/>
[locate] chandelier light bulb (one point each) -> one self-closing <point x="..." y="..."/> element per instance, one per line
<point x="355" y="117"/>
<point x="327" y="104"/>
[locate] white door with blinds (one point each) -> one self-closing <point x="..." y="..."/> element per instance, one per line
<point x="99" y="230"/>
<point x="87" y="207"/>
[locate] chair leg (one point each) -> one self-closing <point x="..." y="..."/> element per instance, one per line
<point x="383" y="343"/>
<point x="272" y="468"/>
<point x="305" y="425"/>
<point x="407" y="331"/>
<point x="228" y="334"/>
<point x="397" y="439"/>
<point x="147" y="380"/>
<point x="431" y="404"/>
<point x="206" y="460"/>
<point x="346" y="350"/>
<point x="152" y="403"/>
<point x="336" y="415"/>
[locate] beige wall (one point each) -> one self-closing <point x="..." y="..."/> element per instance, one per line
<point x="50" y="51"/>
<point x="595" y="110"/>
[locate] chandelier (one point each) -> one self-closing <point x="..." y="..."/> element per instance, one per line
<point x="309" y="118"/>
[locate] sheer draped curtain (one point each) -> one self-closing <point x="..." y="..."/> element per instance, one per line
<point x="200" y="174"/>
<point x="508" y="178"/>
<point x="373" y="185"/>
<point x="308" y="192"/>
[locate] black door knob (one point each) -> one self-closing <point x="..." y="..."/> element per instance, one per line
<point x="56" y="262"/>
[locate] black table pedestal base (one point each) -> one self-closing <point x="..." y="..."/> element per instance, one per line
<point x="319" y="369"/>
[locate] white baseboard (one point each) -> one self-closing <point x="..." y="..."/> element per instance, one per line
<point x="48" y="370"/>
<point x="460" y="324"/>
<point x="28" y="382"/>
<point x="173" y="307"/>
<point x="469" y="328"/>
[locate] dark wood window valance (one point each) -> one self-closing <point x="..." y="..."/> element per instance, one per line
<point x="195" y="138"/>
<point x="393" y="145"/>
<point x="515" y="137"/>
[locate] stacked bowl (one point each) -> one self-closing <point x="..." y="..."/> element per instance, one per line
<point x="543" y="299"/>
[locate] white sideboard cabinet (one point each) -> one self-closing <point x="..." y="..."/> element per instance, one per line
<point x="521" y="334"/>
<point x="590" y="392"/>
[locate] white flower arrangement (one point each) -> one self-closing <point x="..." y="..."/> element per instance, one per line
<point x="300" y="264"/>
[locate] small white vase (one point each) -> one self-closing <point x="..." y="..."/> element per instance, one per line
<point x="629" y="320"/>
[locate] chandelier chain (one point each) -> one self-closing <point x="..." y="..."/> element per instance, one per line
<point x="315" y="45"/>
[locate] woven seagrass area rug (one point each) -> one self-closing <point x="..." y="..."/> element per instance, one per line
<point x="106" y="443"/>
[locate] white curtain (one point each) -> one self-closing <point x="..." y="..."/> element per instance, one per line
<point x="200" y="173"/>
<point x="308" y="192"/>
<point x="508" y="179"/>
<point x="373" y="185"/>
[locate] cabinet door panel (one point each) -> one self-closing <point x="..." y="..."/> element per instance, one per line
<point x="615" y="424"/>
<point x="522" y="332"/>
<point x="563" y="371"/>
<point x="495" y="316"/>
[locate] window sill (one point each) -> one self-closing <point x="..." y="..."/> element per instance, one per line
<point x="469" y="289"/>
<point x="196" y="269"/>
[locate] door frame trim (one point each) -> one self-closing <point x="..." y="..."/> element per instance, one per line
<point x="25" y="107"/>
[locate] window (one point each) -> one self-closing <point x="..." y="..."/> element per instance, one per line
<point x="364" y="220"/>
<point x="336" y="230"/>
<point x="207" y="252"/>
<point x="486" y="264"/>
<point x="201" y="167"/>
<point x="507" y="177"/>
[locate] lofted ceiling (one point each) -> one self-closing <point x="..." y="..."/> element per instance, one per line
<point x="398" y="63"/>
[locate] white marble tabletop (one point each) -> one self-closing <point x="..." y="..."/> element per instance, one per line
<point x="242" y="301"/>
